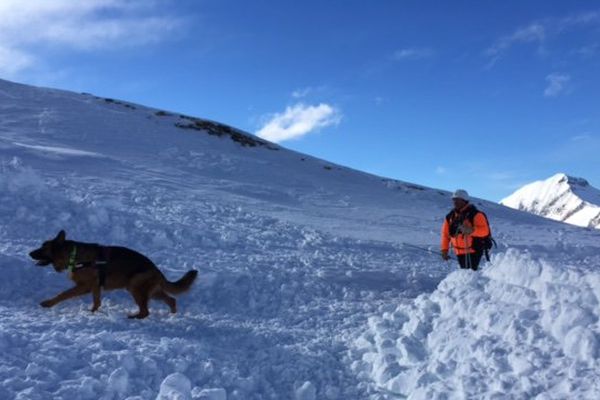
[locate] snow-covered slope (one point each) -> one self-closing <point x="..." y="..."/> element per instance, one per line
<point x="302" y="263"/>
<point x="560" y="197"/>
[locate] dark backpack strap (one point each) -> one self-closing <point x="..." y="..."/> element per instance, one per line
<point x="471" y="213"/>
<point x="490" y="238"/>
<point x="487" y="221"/>
<point x="101" y="262"/>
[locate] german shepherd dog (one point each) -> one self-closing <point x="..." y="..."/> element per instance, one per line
<point x="93" y="267"/>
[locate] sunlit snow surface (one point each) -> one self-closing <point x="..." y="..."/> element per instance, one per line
<point x="305" y="290"/>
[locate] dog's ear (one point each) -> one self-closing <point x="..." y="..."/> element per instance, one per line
<point x="60" y="237"/>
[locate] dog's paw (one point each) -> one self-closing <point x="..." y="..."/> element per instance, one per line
<point x="47" y="303"/>
<point x="137" y="316"/>
<point x="94" y="309"/>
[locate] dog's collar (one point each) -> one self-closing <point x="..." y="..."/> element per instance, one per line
<point x="72" y="260"/>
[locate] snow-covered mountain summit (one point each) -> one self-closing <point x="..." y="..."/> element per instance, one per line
<point x="560" y="197"/>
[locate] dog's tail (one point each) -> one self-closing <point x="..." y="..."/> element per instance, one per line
<point x="181" y="285"/>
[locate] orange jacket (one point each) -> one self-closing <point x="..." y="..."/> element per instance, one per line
<point x="464" y="244"/>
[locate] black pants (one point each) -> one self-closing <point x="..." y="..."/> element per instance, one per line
<point x="470" y="260"/>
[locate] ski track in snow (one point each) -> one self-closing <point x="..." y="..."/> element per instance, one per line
<point x="305" y="290"/>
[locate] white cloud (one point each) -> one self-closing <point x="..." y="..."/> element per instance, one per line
<point x="413" y="53"/>
<point x="539" y="32"/>
<point x="588" y="51"/>
<point x="557" y="84"/>
<point x="581" y="19"/>
<point x="309" y="91"/>
<point x="581" y="138"/>
<point x="26" y="26"/>
<point x="299" y="93"/>
<point x="299" y="120"/>
<point x="533" y="33"/>
<point x="13" y="60"/>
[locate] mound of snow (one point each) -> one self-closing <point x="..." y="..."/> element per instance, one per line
<point x="521" y="329"/>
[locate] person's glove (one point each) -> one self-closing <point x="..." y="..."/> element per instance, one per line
<point x="465" y="229"/>
<point x="445" y="255"/>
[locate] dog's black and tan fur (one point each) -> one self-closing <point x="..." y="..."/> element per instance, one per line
<point x="121" y="268"/>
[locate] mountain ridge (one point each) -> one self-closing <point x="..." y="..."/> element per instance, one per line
<point x="561" y="197"/>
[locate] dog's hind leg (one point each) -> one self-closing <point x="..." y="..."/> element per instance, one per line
<point x="96" y="297"/>
<point x="141" y="299"/>
<point x="140" y="288"/>
<point x="67" y="294"/>
<point x="168" y="300"/>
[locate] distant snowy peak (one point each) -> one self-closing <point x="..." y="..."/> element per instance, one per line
<point x="562" y="198"/>
<point x="571" y="180"/>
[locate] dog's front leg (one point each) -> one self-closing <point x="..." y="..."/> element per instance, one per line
<point x="96" y="296"/>
<point x="67" y="294"/>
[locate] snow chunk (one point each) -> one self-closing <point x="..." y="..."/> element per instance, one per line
<point x="212" y="394"/>
<point x="118" y="381"/>
<point x="306" y="392"/>
<point x="581" y="344"/>
<point x="175" y="387"/>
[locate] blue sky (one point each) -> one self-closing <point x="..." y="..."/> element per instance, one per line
<point x="483" y="95"/>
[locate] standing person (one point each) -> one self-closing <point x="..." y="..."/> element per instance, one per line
<point x="467" y="229"/>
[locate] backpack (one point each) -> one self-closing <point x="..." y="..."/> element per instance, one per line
<point x="483" y="244"/>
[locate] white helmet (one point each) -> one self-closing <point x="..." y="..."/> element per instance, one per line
<point x="461" y="194"/>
